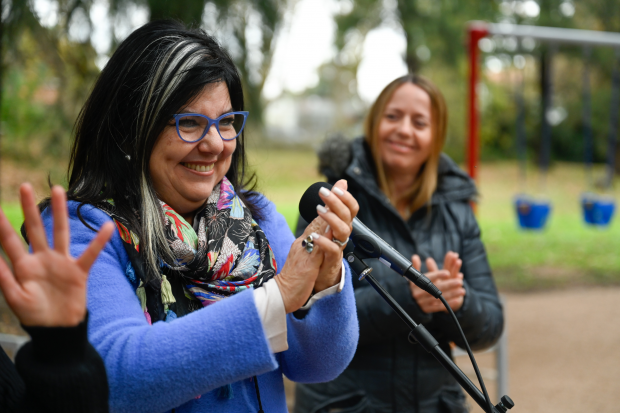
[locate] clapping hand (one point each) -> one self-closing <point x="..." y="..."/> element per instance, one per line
<point x="46" y="287"/>
<point x="449" y="280"/>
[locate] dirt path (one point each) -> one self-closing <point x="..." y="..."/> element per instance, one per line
<point x="564" y="351"/>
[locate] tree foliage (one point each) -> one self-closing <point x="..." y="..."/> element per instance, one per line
<point x="45" y="80"/>
<point x="38" y="57"/>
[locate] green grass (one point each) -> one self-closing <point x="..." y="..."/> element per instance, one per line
<point x="566" y="252"/>
<point x="14" y="213"/>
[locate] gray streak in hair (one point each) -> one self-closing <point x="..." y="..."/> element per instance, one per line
<point x="167" y="74"/>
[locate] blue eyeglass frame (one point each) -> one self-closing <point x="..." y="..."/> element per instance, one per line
<point x="212" y="122"/>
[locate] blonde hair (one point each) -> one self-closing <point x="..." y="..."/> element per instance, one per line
<point x="425" y="182"/>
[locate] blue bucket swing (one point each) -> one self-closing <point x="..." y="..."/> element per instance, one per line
<point x="598" y="209"/>
<point x="533" y="211"/>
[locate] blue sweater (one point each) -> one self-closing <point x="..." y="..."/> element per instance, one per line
<point x="181" y="364"/>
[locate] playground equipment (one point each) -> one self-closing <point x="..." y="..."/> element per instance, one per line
<point x="599" y="209"/>
<point x="533" y="212"/>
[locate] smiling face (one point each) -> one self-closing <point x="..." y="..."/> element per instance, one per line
<point x="405" y="131"/>
<point x="184" y="174"/>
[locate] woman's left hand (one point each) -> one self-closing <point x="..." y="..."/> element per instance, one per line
<point x="333" y="223"/>
<point x="449" y="280"/>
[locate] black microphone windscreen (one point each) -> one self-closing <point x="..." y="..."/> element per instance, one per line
<point x="310" y="199"/>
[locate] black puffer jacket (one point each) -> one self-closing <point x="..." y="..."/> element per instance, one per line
<point x="387" y="373"/>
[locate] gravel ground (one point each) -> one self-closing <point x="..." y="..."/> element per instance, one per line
<point x="564" y="350"/>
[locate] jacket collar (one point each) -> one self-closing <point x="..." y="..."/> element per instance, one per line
<point x="453" y="184"/>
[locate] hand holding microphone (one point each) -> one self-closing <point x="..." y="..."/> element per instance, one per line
<point x="334" y="224"/>
<point x="314" y="262"/>
<point x="367" y="242"/>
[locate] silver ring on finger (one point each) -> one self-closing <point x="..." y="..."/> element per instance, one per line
<point x="340" y="243"/>
<point x="308" y="244"/>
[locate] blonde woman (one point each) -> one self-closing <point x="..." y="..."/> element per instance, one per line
<point x="418" y="200"/>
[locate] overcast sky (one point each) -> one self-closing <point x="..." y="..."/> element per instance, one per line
<point x="307" y="41"/>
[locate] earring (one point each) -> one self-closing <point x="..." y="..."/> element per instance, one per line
<point x="128" y="157"/>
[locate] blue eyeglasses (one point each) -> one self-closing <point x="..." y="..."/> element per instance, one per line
<point x="192" y="127"/>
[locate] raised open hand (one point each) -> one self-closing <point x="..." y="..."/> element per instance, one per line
<point x="46" y="287"/>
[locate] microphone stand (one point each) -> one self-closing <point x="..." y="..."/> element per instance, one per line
<point x="421" y="335"/>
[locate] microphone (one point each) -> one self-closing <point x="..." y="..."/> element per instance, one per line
<point x="367" y="243"/>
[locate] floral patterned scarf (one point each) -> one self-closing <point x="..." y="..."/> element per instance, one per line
<point x="224" y="253"/>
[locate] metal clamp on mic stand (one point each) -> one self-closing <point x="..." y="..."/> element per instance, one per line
<point x="421" y="335"/>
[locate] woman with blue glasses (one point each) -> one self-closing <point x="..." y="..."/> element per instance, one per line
<point x="203" y="298"/>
